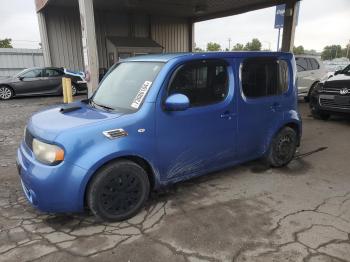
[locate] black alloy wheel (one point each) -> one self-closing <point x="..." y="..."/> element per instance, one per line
<point x="118" y="191"/>
<point x="283" y="147"/>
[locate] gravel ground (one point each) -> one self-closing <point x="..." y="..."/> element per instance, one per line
<point x="245" y="213"/>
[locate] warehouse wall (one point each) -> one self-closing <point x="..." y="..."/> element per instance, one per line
<point x="13" y="60"/>
<point x="171" y="33"/>
<point x="64" y="33"/>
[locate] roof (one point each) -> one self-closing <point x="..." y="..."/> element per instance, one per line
<point x="208" y="55"/>
<point x="196" y="10"/>
<point x="133" y="42"/>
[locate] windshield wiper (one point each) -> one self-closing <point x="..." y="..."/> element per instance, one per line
<point x="94" y="104"/>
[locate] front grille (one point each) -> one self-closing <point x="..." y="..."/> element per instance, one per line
<point x="334" y="90"/>
<point x="28" y="138"/>
<point x="332" y="103"/>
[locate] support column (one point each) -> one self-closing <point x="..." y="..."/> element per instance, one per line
<point x="290" y="17"/>
<point x="87" y="19"/>
<point x="190" y="35"/>
<point x="44" y="39"/>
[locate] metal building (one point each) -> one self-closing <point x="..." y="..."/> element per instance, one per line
<point x="92" y="34"/>
<point x="14" y="60"/>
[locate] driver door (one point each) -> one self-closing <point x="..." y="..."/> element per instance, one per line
<point x="29" y="82"/>
<point x="203" y="137"/>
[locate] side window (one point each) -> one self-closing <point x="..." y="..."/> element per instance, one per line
<point x="302" y="64"/>
<point x="314" y="64"/>
<point x="204" y="82"/>
<point x="263" y="77"/>
<point x="52" y="73"/>
<point x="32" y="74"/>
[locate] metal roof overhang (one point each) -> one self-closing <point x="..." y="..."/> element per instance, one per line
<point x="196" y="10"/>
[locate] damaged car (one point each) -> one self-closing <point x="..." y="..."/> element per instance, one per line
<point x="156" y="120"/>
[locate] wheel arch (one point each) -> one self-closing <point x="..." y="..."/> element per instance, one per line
<point x="146" y="165"/>
<point x="313" y="85"/>
<point x="9" y="86"/>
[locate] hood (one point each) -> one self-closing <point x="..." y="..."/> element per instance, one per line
<point x="6" y="80"/>
<point x="338" y="81"/>
<point x="49" y="123"/>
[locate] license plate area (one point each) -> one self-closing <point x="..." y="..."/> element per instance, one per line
<point x="342" y="100"/>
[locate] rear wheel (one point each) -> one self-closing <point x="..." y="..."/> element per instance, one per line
<point x="6" y="93"/>
<point x="283" y="147"/>
<point x="118" y="191"/>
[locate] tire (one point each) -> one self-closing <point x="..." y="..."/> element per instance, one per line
<point x="307" y="98"/>
<point x="118" y="191"/>
<point x="282" y="148"/>
<point x="74" y="90"/>
<point x="6" y="93"/>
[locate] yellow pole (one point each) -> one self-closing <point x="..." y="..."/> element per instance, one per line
<point x="69" y="90"/>
<point x="64" y="89"/>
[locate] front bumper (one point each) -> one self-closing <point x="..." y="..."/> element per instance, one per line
<point x="332" y="103"/>
<point x="51" y="188"/>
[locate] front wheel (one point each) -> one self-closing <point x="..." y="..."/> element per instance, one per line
<point x="6" y="93"/>
<point x="118" y="191"/>
<point x="282" y="148"/>
<point x="74" y="90"/>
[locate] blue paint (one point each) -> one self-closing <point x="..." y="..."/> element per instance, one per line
<point x="177" y="144"/>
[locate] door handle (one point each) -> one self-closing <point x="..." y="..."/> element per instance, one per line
<point x="275" y="107"/>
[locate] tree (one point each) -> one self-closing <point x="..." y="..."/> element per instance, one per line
<point x="211" y="46"/>
<point x="6" y="43"/>
<point x="254" y="45"/>
<point x="331" y="51"/>
<point x="238" y="47"/>
<point x="298" y="50"/>
<point x="198" y="49"/>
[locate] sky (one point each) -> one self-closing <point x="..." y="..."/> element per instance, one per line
<point x="321" y="23"/>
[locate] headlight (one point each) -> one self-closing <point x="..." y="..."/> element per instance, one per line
<point x="319" y="86"/>
<point x="47" y="153"/>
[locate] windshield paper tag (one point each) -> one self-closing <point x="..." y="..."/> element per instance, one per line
<point x="141" y="94"/>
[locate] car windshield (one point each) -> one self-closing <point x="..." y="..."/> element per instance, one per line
<point x="126" y="85"/>
<point x="346" y="70"/>
<point x="22" y="72"/>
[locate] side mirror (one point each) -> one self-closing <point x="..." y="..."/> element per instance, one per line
<point x="177" y="102"/>
<point x="20" y="78"/>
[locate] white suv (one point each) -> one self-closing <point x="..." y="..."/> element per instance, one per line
<point x="310" y="71"/>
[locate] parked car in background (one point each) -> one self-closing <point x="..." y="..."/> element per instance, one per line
<point x="38" y="81"/>
<point x="332" y="96"/>
<point x="310" y="72"/>
<point x="157" y="120"/>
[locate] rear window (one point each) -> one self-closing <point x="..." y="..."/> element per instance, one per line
<point x="263" y="77"/>
<point x="306" y="64"/>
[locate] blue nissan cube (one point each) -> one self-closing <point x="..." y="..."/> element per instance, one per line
<point x="157" y="120"/>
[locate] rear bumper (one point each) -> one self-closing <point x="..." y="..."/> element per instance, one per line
<point x="50" y="188"/>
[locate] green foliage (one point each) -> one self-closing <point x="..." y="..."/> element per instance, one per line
<point x="332" y="51"/>
<point x="254" y="45"/>
<point x="211" y="46"/>
<point x="198" y="49"/>
<point x="238" y="47"/>
<point x="6" y="43"/>
<point x="298" y="50"/>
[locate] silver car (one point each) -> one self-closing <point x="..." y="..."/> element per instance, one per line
<point x="310" y="71"/>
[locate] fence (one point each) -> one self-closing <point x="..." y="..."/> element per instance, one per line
<point x="13" y="60"/>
